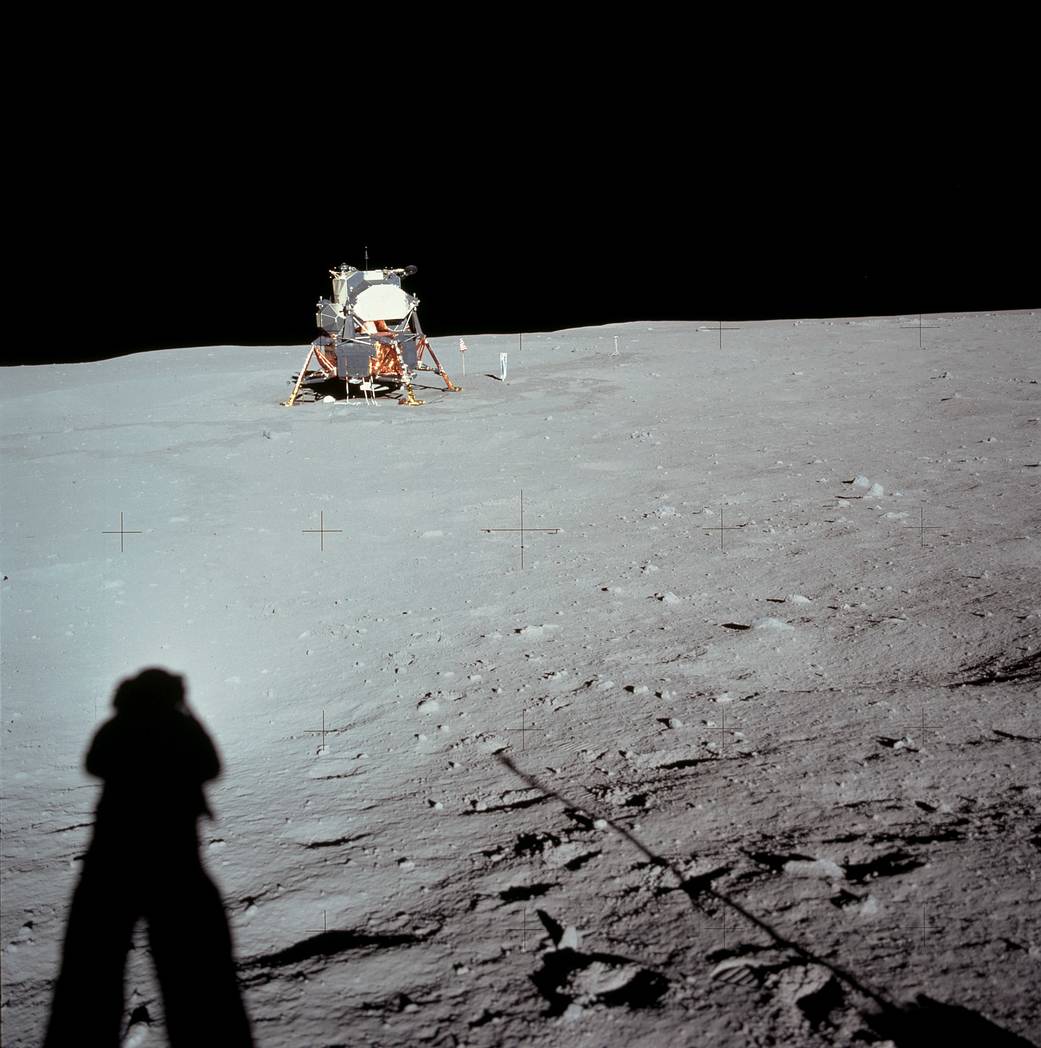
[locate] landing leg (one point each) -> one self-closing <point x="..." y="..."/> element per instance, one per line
<point x="450" y="386"/>
<point x="299" y="380"/>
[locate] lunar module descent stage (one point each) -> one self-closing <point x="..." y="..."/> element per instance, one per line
<point x="371" y="338"/>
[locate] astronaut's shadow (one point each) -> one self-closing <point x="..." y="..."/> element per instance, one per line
<point x="143" y="864"/>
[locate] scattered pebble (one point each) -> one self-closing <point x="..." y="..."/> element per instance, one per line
<point x="535" y="631"/>
<point x="824" y="868"/>
<point x="871" y="489"/>
<point x="570" y="940"/>
<point x="768" y="622"/>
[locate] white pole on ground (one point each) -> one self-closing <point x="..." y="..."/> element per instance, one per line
<point x="502" y="366"/>
<point x="615" y="346"/>
<point x="462" y="354"/>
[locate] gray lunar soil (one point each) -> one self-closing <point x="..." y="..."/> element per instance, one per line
<point x="746" y="753"/>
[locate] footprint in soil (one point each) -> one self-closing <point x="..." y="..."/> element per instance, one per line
<point x="571" y="977"/>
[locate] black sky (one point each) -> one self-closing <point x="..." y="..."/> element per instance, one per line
<point x="205" y="206"/>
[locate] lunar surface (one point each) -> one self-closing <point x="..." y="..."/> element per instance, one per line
<point x="737" y="743"/>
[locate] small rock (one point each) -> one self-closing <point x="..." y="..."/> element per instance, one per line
<point x="569" y="940"/>
<point x="768" y="622"/>
<point x="824" y="868"/>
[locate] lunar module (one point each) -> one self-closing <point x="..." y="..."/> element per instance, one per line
<point x="370" y="338"/>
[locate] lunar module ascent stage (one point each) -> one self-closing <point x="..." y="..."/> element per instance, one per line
<point x="370" y="337"/>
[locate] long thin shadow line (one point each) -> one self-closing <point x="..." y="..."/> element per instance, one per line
<point x="326" y="944"/>
<point x="925" y="1021"/>
<point x="694" y="887"/>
